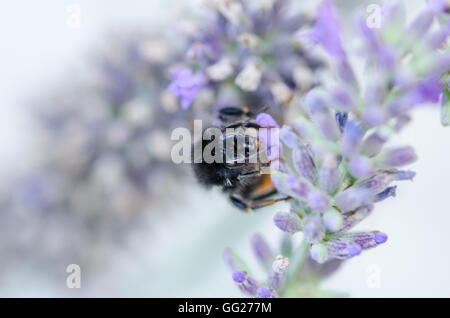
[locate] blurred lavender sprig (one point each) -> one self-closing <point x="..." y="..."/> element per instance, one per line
<point x="246" y="55"/>
<point x="335" y="162"/>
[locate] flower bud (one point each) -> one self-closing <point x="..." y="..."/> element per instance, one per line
<point x="318" y="201"/>
<point x="333" y="220"/>
<point x="304" y="163"/>
<point x="313" y="229"/>
<point x="288" y="222"/>
<point x="329" y="178"/>
<point x="319" y="253"/>
<point x="246" y="284"/>
<point x="266" y="292"/>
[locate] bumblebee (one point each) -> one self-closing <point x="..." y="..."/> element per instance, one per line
<point x="239" y="176"/>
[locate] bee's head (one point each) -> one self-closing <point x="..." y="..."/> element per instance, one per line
<point x="215" y="171"/>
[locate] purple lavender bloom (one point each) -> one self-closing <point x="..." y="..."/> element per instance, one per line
<point x="360" y="167"/>
<point x="373" y="144"/>
<point x="266" y="292"/>
<point x="289" y="137"/>
<point x="342" y="249"/>
<point x="438" y="6"/>
<point x="399" y="157"/>
<point x="351" y="139"/>
<point x="318" y="201"/>
<point x="427" y="90"/>
<point x="389" y="192"/>
<point x="314" y="229"/>
<point x="186" y="86"/>
<point x="365" y="240"/>
<point x="246" y="284"/>
<point x="352" y="198"/>
<point x="269" y="136"/>
<point x="304" y="163"/>
<point x="265" y="120"/>
<point x="329" y="178"/>
<point x="299" y="187"/>
<point x="261" y="250"/>
<point x="288" y="222"/>
<point x="327" y="31"/>
<point x="351" y="219"/>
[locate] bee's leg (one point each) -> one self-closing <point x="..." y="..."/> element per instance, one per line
<point x="255" y="173"/>
<point x="248" y="205"/>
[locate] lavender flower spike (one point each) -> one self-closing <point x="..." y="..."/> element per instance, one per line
<point x="245" y="283"/>
<point x="399" y="157"/>
<point x="326" y="31"/>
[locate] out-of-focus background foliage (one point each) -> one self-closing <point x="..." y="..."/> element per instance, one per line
<point x="85" y="179"/>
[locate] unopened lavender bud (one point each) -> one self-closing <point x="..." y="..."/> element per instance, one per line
<point x="351" y="139"/>
<point x="319" y="253"/>
<point x="333" y="220"/>
<point x="318" y="201"/>
<point x="250" y="77"/>
<point x="277" y="277"/>
<point x="289" y="137"/>
<point x="246" y="284"/>
<point x="266" y="292"/>
<point x="266" y="121"/>
<point x="374" y="116"/>
<point x="365" y="240"/>
<point x="261" y="250"/>
<point x="351" y="219"/>
<point x="373" y="144"/>
<point x="304" y="163"/>
<point x="400" y="156"/>
<point x="402" y="175"/>
<point x="352" y="198"/>
<point x="314" y="229"/>
<point x="287" y="222"/>
<point x="329" y="178"/>
<point x="327" y="125"/>
<point x="389" y="192"/>
<point x="360" y="167"/>
<point x="343" y="249"/>
<point x="299" y="188"/>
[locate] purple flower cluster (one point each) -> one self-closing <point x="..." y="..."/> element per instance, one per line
<point x="339" y="167"/>
<point x="335" y="163"/>
<point x="277" y="271"/>
<point x="246" y="56"/>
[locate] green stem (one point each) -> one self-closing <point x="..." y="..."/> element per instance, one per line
<point x="297" y="260"/>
